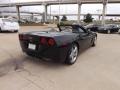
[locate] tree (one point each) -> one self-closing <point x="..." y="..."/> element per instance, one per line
<point x="64" y="18"/>
<point x="88" y="18"/>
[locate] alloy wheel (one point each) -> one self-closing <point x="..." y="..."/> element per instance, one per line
<point x="74" y="53"/>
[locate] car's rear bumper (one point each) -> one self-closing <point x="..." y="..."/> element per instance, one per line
<point x="9" y="28"/>
<point x="57" y="54"/>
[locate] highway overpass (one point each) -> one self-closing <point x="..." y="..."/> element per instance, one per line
<point x="59" y="2"/>
<point x="55" y="2"/>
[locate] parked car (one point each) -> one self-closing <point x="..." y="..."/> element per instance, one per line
<point x="8" y="25"/>
<point x="110" y="28"/>
<point x="62" y="45"/>
<point x="93" y="27"/>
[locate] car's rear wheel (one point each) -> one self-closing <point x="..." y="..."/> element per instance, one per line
<point x="72" y="55"/>
<point x="108" y="31"/>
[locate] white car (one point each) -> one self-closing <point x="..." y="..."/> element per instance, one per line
<point x="8" y="25"/>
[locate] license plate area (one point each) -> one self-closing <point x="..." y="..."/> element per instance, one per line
<point x="31" y="46"/>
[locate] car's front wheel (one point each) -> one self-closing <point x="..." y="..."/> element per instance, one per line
<point x="108" y="31"/>
<point x="15" y="31"/>
<point x="94" y="42"/>
<point x="72" y="55"/>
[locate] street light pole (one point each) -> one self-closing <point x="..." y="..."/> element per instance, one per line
<point x="50" y="14"/>
<point x="99" y="12"/>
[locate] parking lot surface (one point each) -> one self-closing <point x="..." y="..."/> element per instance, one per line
<point x="98" y="68"/>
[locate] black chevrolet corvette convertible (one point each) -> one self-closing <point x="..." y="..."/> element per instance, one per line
<point x="62" y="44"/>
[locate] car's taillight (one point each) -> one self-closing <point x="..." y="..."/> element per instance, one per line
<point x="51" y="42"/>
<point x="47" y="41"/>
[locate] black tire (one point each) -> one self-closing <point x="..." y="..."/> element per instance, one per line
<point x="16" y="31"/>
<point x="0" y="30"/>
<point x="94" y="42"/>
<point x="118" y="30"/>
<point x="72" y="55"/>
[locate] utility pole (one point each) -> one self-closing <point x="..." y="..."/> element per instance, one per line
<point x="18" y="12"/>
<point x="104" y="11"/>
<point x="79" y="10"/>
<point x="59" y="10"/>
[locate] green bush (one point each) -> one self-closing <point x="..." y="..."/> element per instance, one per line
<point x="88" y="18"/>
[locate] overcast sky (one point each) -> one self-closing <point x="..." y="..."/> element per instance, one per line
<point x="69" y="9"/>
<point x="86" y="8"/>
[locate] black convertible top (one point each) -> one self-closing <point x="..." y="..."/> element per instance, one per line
<point x="74" y="26"/>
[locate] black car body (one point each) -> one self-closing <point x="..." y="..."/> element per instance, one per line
<point x="57" y="45"/>
<point x="93" y="27"/>
<point x="108" y="29"/>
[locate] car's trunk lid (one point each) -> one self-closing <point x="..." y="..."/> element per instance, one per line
<point x="59" y="37"/>
<point x="49" y="33"/>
